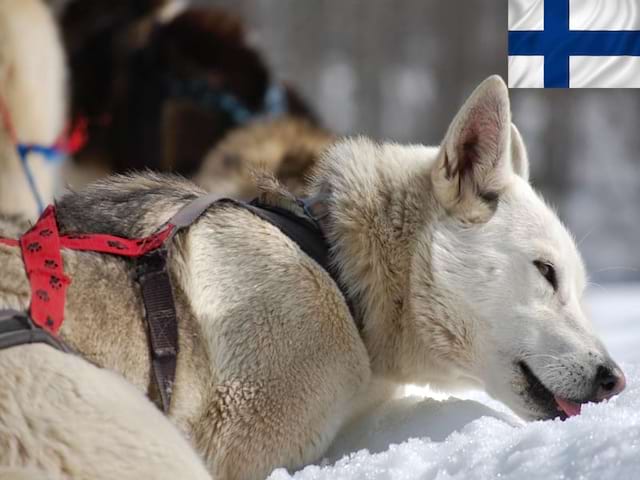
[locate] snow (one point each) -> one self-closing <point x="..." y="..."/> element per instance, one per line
<point x="476" y="437"/>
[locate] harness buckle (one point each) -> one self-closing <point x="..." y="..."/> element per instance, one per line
<point x="152" y="262"/>
<point x="17" y="328"/>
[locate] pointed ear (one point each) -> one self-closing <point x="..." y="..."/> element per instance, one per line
<point x="473" y="165"/>
<point x="519" y="157"/>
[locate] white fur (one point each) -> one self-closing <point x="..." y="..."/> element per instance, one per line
<point x="70" y="419"/>
<point x="487" y="272"/>
<point x="442" y="256"/>
<point x="33" y="85"/>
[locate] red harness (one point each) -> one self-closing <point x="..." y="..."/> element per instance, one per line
<point x="41" y="254"/>
<point x="41" y="247"/>
<point x="42" y="258"/>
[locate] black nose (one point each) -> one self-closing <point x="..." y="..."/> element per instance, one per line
<point x="609" y="381"/>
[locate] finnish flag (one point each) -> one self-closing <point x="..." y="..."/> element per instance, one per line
<point x="574" y="43"/>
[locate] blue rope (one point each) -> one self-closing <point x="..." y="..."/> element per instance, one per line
<point x="275" y="101"/>
<point x="198" y="90"/>
<point x="50" y="154"/>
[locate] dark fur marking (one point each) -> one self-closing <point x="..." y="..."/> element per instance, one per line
<point x="447" y="167"/>
<point x="469" y="156"/>
<point x="125" y="206"/>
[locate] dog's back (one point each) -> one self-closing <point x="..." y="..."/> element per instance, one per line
<point x="263" y="328"/>
<point x="61" y="417"/>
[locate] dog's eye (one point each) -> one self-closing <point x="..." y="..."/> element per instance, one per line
<point x="548" y="272"/>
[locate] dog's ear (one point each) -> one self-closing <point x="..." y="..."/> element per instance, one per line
<point x="474" y="162"/>
<point x="519" y="157"/>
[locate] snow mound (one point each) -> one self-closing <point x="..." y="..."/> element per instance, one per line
<point x="601" y="443"/>
<point x="417" y="438"/>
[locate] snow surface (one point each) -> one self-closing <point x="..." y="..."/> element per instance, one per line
<point x="476" y="437"/>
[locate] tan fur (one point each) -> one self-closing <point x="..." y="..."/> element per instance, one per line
<point x="22" y="474"/>
<point x="63" y="418"/>
<point x="33" y="84"/>
<point x="287" y="147"/>
<point x="221" y="387"/>
<point x="375" y="238"/>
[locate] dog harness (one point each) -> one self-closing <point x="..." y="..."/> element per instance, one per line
<point x="41" y="252"/>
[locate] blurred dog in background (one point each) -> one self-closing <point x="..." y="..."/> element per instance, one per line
<point x="32" y="106"/>
<point x="156" y="85"/>
<point x="160" y="84"/>
<point x="287" y="147"/>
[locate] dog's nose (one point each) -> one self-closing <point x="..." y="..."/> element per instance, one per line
<point x="609" y="381"/>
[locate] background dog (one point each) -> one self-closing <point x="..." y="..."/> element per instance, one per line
<point x="287" y="148"/>
<point x="160" y="84"/>
<point x="32" y="103"/>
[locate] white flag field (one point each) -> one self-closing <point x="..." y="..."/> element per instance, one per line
<point x="574" y="43"/>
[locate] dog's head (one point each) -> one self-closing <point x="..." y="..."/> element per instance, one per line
<point x="511" y="268"/>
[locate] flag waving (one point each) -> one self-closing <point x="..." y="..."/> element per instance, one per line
<point x="574" y="43"/>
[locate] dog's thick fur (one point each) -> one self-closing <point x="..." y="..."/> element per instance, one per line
<point x="68" y="419"/>
<point x="436" y="247"/>
<point x="287" y="147"/>
<point x="33" y="85"/>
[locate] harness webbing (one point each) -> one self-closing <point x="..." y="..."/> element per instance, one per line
<point x="159" y="305"/>
<point x="43" y="263"/>
<point x="41" y="251"/>
<point x="16" y="328"/>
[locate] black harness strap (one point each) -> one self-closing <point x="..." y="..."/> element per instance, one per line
<point x="16" y="328"/>
<point x="308" y="234"/>
<point x="157" y="296"/>
<point x="162" y="322"/>
<point x="301" y="230"/>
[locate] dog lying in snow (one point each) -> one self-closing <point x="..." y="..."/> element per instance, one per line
<point x="458" y="272"/>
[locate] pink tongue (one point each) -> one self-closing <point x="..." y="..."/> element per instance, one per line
<point x="570" y="408"/>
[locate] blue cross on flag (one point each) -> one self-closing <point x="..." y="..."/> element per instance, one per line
<point x="574" y="43"/>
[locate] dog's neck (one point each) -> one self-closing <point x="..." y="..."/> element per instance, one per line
<point x="373" y="214"/>
<point x="381" y="214"/>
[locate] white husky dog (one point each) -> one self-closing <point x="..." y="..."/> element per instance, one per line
<point x="33" y="93"/>
<point x="458" y="272"/>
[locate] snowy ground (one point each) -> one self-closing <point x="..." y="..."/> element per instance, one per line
<point x="477" y="438"/>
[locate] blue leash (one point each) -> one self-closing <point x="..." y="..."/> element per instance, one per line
<point x="274" y="103"/>
<point x="50" y="154"/>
